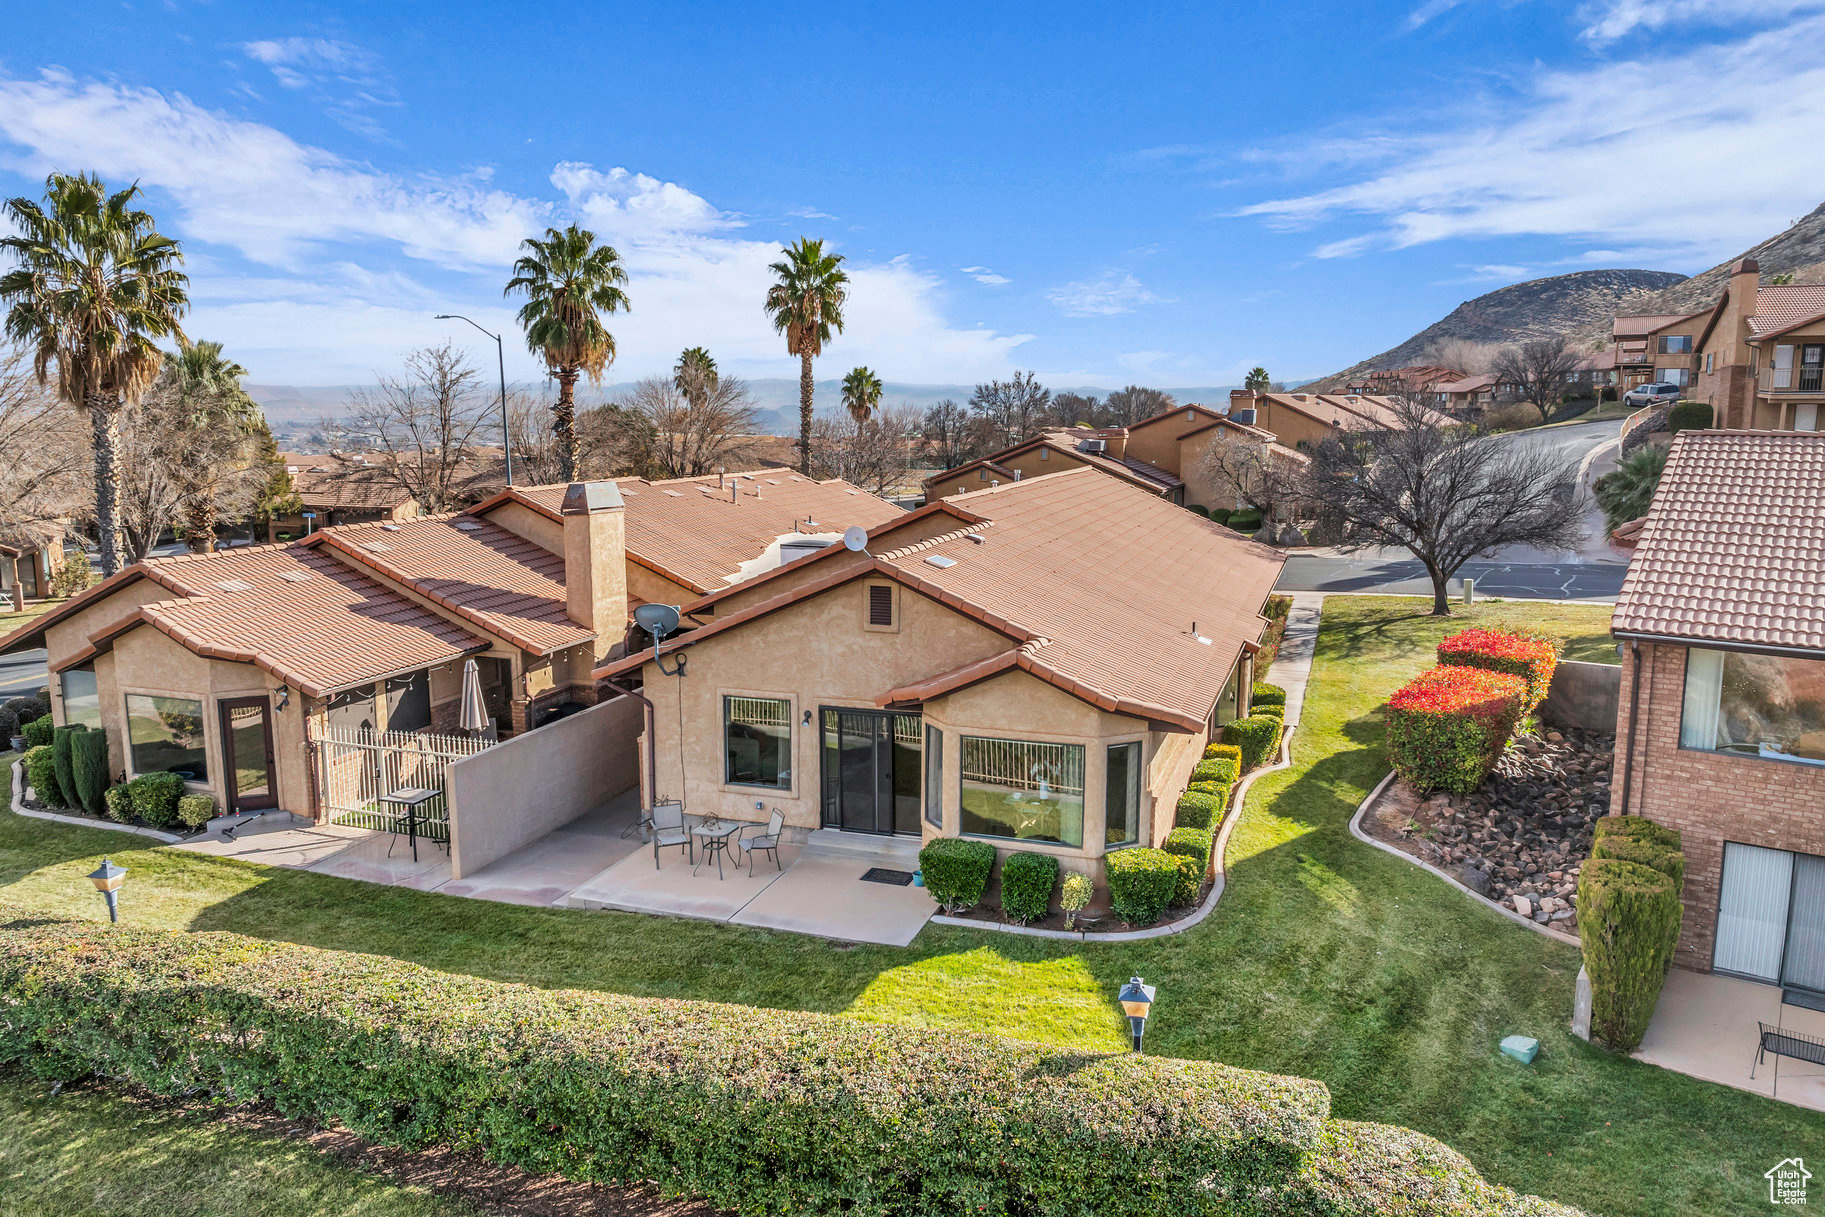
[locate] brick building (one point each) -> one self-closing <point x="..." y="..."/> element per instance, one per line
<point x="1721" y="730"/>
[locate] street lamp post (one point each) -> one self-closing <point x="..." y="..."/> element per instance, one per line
<point x="500" y="354"/>
<point x="1135" y="998"/>
<point x="107" y="879"/>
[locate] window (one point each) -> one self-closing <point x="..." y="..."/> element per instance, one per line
<point x="166" y="736"/>
<point x="1754" y="705"/>
<point x="1045" y="454"/>
<point x="880" y="604"/>
<point x="757" y="741"/>
<point x="1812" y="369"/>
<point x="1782" y="367"/>
<point x="81" y="699"/>
<point x="1676" y="344"/>
<point x="1022" y="790"/>
<point x="1122" y="795"/>
<point x="1710" y="359"/>
<point x="982" y="475"/>
<point x="934" y="777"/>
<point x="1676" y="376"/>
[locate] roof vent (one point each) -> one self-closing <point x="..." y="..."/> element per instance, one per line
<point x="235" y="585"/>
<point x="389" y="528"/>
<point x="772" y="481"/>
<point x="940" y="561"/>
<point x="1096" y="445"/>
<point x="379" y="547"/>
<point x="467" y="525"/>
<point x="973" y="536"/>
<point x="676" y="494"/>
<point x="293" y="576"/>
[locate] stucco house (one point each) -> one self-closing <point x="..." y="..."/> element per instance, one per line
<point x="29" y="558"/>
<point x="1038" y="664"/>
<point x="224" y="666"/>
<point x="1721" y="727"/>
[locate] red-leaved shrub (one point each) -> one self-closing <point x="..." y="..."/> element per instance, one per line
<point x="1447" y="726"/>
<point x="1528" y="656"/>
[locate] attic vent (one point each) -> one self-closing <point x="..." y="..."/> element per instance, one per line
<point x="293" y="576"/>
<point x="467" y="526"/>
<point x="973" y="536"/>
<point x="940" y="561"/>
<point x="676" y="494"/>
<point x="379" y="547"/>
<point x="235" y="585"/>
<point x="880" y="604"/>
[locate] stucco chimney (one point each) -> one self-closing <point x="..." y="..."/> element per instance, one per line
<point x="1115" y="441"/>
<point x="1745" y="279"/>
<point x="1241" y="399"/>
<point x="595" y="561"/>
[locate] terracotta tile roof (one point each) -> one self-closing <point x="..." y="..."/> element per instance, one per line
<point x="1469" y="384"/>
<point x="300" y="615"/>
<point x="350" y="482"/>
<point x="509" y="586"/>
<point x="1781" y="307"/>
<point x="1351" y="409"/>
<point x="1733" y="549"/>
<point x="1644" y="324"/>
<point x="1069" y="441"/>
<point x="690" y="531"/>
<point x="1097" y="583"/>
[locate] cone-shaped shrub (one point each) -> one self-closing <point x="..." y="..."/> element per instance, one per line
<point x="64" y="757"/>
<point x="1447" y="726"/>
<point x="1628" y="916"/>
<point x="89" y="764"/>
<point x="1531" y="658"/>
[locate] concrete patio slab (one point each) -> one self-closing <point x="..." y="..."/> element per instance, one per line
<point x="634" y="886"/>
<point x="824" y="894"/>
<point x="1705" y="1026"/>
<point x="544" y="871"/>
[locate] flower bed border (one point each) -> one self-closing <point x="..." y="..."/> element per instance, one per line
<point x="20" y="809"/>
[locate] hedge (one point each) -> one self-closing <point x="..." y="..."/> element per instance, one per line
<point x="1269" y="711"/>
<point x="38" y="731"/>
<point x="1199" y="809"/>
<point x="1221" y="514"/>
<point x="154" y="796"/>
<point x="1214" y="769"/>
<point x="1447" y="726"/>
<point x="1530" y="657"/>
<point x="1628" y="917"/>
<point x="195" y="810"/>
<point x="41" y="775"/>
<point x="1141" y="883"/>
<point x="1688" y="416"/>
<point x="956" y="871"/>
<point x="1197" y="510"/>
<point x="1246" y="520"/>
<point x="1257" y="736"/>
<point x="755" y="1110"/>
<point x="1215" y="752"/>
<point x="1192" y="848"/>
<point x="63" y="754"/>
<point x="89" y="763"/>
<point x="1264" y="694"/>
<point x="9" y="724"/>
<point x="1027" y="880"/>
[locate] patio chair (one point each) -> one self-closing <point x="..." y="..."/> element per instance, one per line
<point x="767" y="842"/>
<point x="668" y="829"/>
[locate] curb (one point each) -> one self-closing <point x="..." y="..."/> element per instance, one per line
<point x="19" y="809"/>
<point x="1357" y="832"/>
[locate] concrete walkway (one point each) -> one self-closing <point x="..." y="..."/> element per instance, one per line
<point x="1705" y="1026"/>
<point x="1293" y="666"/>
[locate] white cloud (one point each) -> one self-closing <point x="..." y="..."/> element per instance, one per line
<point x="347" y="81"/>
<point x="1430" y="10"/>
<point x="1113" y="293"/>
<point x="1694" y="154"/>
<point x="810" y="213"/>
<point x="311" y="53"/>
<point x="1612" y="19"/>
<point x="984" y="275"/>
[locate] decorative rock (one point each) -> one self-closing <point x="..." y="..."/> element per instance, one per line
<point x="1523" y="906"/>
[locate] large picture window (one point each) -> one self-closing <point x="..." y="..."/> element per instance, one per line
<point x="1122" y="795"/>
<point x="166" y="736"/>
<point x="757" y="741"/>
<point x="1754" y="705"/>
<point x="1022" y="790"/>
<point x="81" y="699"/>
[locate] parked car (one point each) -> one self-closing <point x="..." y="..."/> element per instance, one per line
<point x="1653" y="394"/>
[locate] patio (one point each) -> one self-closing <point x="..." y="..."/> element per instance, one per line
<point x="1705" y="1027"/>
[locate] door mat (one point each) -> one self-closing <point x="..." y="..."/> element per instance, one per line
<point x="1803" y="999"/>
<point x="881" y="874"/>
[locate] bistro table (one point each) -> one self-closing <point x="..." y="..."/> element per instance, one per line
<point x="411" y="800"/>
<point x="715" y="838"/>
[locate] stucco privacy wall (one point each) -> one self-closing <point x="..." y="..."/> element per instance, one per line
<point x="1583" y="695"/>
<point x="517" y="791"/>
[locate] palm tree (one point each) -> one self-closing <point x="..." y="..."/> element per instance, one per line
<point x="569" y="282"/>
<point x="696" y="376"/>
<point x="1258" y="380"/>
<point x="861" y="394"/>
<point x="218" y="416"/>
<point x="95" y="287"/>
<point x="806" y="303"/>
<point x="1626" y="491"/>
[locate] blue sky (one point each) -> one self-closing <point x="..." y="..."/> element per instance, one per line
<point x="1161" y="194"/>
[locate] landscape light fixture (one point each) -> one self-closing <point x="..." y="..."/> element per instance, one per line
<point x="107" y="879"/>
<point x="500" y="354"/>
<point x="1135" y="998"/>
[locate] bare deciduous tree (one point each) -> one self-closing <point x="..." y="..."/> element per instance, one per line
<point x="1069" y="409"/>
<point x="43" y="451"/>
<point x="1256" y="474"/>
<point x="1014" y="407"/>
<point x="422" y="425"/>
<point x="1538" y="370"/>
<point x="945" y="432"/>
<point x="1447" y="494"/>
<point x="1132" y="404"/>
<point x="874" y="455"/>
<point x="712" y="428"/>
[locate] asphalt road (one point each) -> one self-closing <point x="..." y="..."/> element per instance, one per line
<point x="21" y="672"/>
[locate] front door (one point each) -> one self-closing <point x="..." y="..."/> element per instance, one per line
<point x="871" y="770"/>
<point x="247" y="753"/>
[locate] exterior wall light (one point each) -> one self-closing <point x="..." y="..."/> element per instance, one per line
<point x="107" y="879"/>
<point x="1135" y="999"/>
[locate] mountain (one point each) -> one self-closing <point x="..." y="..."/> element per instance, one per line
<point x="1799" y="251"/>
<point x="1578" y="303"/>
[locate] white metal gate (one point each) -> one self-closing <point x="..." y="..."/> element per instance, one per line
<point x="357" y="766"/>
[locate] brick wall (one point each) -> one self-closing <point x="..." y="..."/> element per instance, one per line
<point x="1709" y="797"/>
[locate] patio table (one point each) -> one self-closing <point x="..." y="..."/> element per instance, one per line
<point x="715" y="841"/>
<point x="411" y="799"/>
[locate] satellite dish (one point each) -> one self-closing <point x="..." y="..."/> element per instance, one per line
<point x="656" y="619"/>
<point x="855" y="538"/>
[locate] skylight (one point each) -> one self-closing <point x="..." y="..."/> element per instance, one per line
<point x="940" y="561"/>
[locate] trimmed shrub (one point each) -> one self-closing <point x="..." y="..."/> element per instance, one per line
<point x="1199" y="809"/>
<point x="38" y="731"/>
<point x="1192" y="848"/>
<point x="41" y="775"/>
<point x="1213" y="770"/>
<point x="154" y="797"/>
<point x="956" y="871"/>
<point x="1246" y="520"/>
<point x="1643" y="852"/>
<point x="1257" y="736"/>
<point x="1531" y="657"/>
<point x="9" y="725"/>
<point x="1628" y="917"/>
<point x="1264" y="694"/>
<point x="63" y="753"/>
<point x="1688" y="416"/>
<point x="1141" y="883"/>
<point x="1027" y="881"/>
<point x="1073" y="894"/>
<point x="119" y="804"/>
<point x="195" y="810"/>
<point x="89" y="763"/>
<point x="1197" y="510"/>
<point x="1269" y="711"/>
<point x="1213" y="752"/>
<point x="1221" y="514"/>
<point x="1447" y="726"/>
<point x="1635" y="826"/>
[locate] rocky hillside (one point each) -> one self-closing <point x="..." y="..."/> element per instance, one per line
<point x="1799" y="251"/>
<point x="1577" y="303"/>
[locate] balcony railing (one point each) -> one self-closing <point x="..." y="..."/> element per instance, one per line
<point x="1805" y="378"/>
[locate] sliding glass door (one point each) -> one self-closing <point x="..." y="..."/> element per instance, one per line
<point x="1771" y="917"/>
<point x="872" y="770"/>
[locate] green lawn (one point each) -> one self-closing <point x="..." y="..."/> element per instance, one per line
<point x="1326" y="958"/>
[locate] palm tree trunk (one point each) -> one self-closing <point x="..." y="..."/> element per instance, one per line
<point x="104" y="414"/>
<point x="805" y="385"/>
<point x="199" y="521"/>
<point x="564" y="424"/>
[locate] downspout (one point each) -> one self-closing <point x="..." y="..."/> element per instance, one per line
<point x="652" y="743"/>
<point x="1628" y="757"/>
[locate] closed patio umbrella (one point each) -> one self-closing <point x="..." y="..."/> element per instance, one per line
<point x="474" y="714"/>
